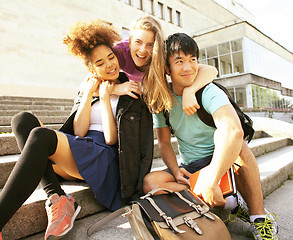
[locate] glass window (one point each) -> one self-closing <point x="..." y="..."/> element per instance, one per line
<point x="202" y="56"/>
<point x="224" y="48"/>
<point x="236" y="45"/>
<point x="229" y="68"/>
<point x="151" y="7"/>
<point x="160" y="10"/>
<point x="212" y="51"/>
<point x="238" y="62"/>
<point x="169" y="15"/>
<point x="178" y="20"/>
<point x="139" y="4"/>
<point x="125" y="33"/>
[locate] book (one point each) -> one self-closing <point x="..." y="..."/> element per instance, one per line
<point x="226" y="183"/>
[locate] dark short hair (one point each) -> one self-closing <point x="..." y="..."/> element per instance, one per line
<point x="180" y="42"/>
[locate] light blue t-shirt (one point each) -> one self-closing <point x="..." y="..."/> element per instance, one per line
<point x="195" y="138"/>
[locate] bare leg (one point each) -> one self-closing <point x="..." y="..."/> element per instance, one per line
<point x="161" y="179"/>
<point x="248" y="181"/>
<point x="63" y="158"/>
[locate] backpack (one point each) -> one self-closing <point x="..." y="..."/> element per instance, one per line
<point x="205" y="117"/>
<point x="172" y="216"/>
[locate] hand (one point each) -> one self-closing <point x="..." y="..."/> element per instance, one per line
<point x="90" y="85"/>
<point x="128" y="88"/>
<point x="210" y="193"/>
<point x="189" y="102"/>
<point x="105" y="90"/>
<point x="179" y="176"/>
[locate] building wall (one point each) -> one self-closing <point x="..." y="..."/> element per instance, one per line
<point x="263" y="62"/>
<point x="33" y="60"/>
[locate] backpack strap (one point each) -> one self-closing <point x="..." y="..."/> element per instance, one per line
<point x="94" y="227"/>
<point x="207" y="118"/>
<point x="203" y="115"/>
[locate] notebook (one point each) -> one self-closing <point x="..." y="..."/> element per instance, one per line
<point x="227" y="182"/>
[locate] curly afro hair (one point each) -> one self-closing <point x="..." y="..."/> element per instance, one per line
<point x="84" y="37"/>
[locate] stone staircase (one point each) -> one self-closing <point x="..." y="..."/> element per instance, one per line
<point x="31" y="217"/>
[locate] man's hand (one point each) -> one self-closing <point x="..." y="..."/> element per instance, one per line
<point x="189" y="102"/>
<point x="179" y="176"/>
<point x="209" y="192"/>
<point x="128" y="88"/>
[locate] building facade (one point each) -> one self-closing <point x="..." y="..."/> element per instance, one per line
<point x="255" y="69"/>
<point x="34" y="62"/>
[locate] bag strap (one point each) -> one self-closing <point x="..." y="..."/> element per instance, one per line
<point x="94" y="227"/>
<point x="202" y="210"/>
<point x="154" y="191"/>
<point x="167" y="219"/>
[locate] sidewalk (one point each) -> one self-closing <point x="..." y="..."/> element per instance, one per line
<point x="278" y="202"/>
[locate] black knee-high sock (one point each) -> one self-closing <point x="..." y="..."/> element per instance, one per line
<point x="28" y="171"/>
<point x="22" y="124"/>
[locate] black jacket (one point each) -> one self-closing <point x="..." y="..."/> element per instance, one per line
<point x="135" y="140"/>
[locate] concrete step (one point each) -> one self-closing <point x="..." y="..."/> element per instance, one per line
<point x="31" y="217"/>
<point x="33" y="100"/>
<point x="8" y="144"/>
<point x="275" y="167"/>
<point x="35" y="107"/>
<point x="42" y="112"/>
<point x="6" y="120"/>
<point x="258" y="146"/>
<point x="7" y="129"/>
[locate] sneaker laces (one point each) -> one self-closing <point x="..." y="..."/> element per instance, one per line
<point x="265" y="229"/>
<point x="54" y="211"/>
<point x="240" y="211"/>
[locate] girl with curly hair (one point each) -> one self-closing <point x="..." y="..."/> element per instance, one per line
<point x="86" y="146"/>
<point x="142" y="59"/>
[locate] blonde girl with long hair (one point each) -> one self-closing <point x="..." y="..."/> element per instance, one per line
<point x="142" y="59"/>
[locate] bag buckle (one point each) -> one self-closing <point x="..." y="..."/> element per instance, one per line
<point x="192" y="224"/>
<point x="203" y="211"/>
<point x="172" y="225"/>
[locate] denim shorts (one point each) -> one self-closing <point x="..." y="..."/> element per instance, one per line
<point x="194" y="166"/>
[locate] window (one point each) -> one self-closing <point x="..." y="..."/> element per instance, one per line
<point x="169" y="14"/>
<point x="128" y="2"/>
<point x="160" y="10"/>
<point x="151" y="7"/>
<point x="178" y="20"/>
<point x="125" y="33"/>
<point x="236" y="45"/>
<point x="139" y="4"/>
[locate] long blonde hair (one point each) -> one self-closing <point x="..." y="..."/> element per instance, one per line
<point x="156" y="91"/>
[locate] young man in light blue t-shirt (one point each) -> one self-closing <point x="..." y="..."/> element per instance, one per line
<point x="211" y="150"/>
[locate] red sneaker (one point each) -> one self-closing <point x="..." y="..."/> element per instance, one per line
<point x="61" y="212"/>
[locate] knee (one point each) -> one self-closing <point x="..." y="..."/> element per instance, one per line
<point x="22" y="120"/>
<point x="44" y="138"/>
<point x="151" y="181"/>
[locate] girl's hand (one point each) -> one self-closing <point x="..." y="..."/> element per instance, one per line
<point x="90" y="85"/>
<point x="106" y="88"/>
<point x="189" y="102"/>
<point x="128" y="88"/>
